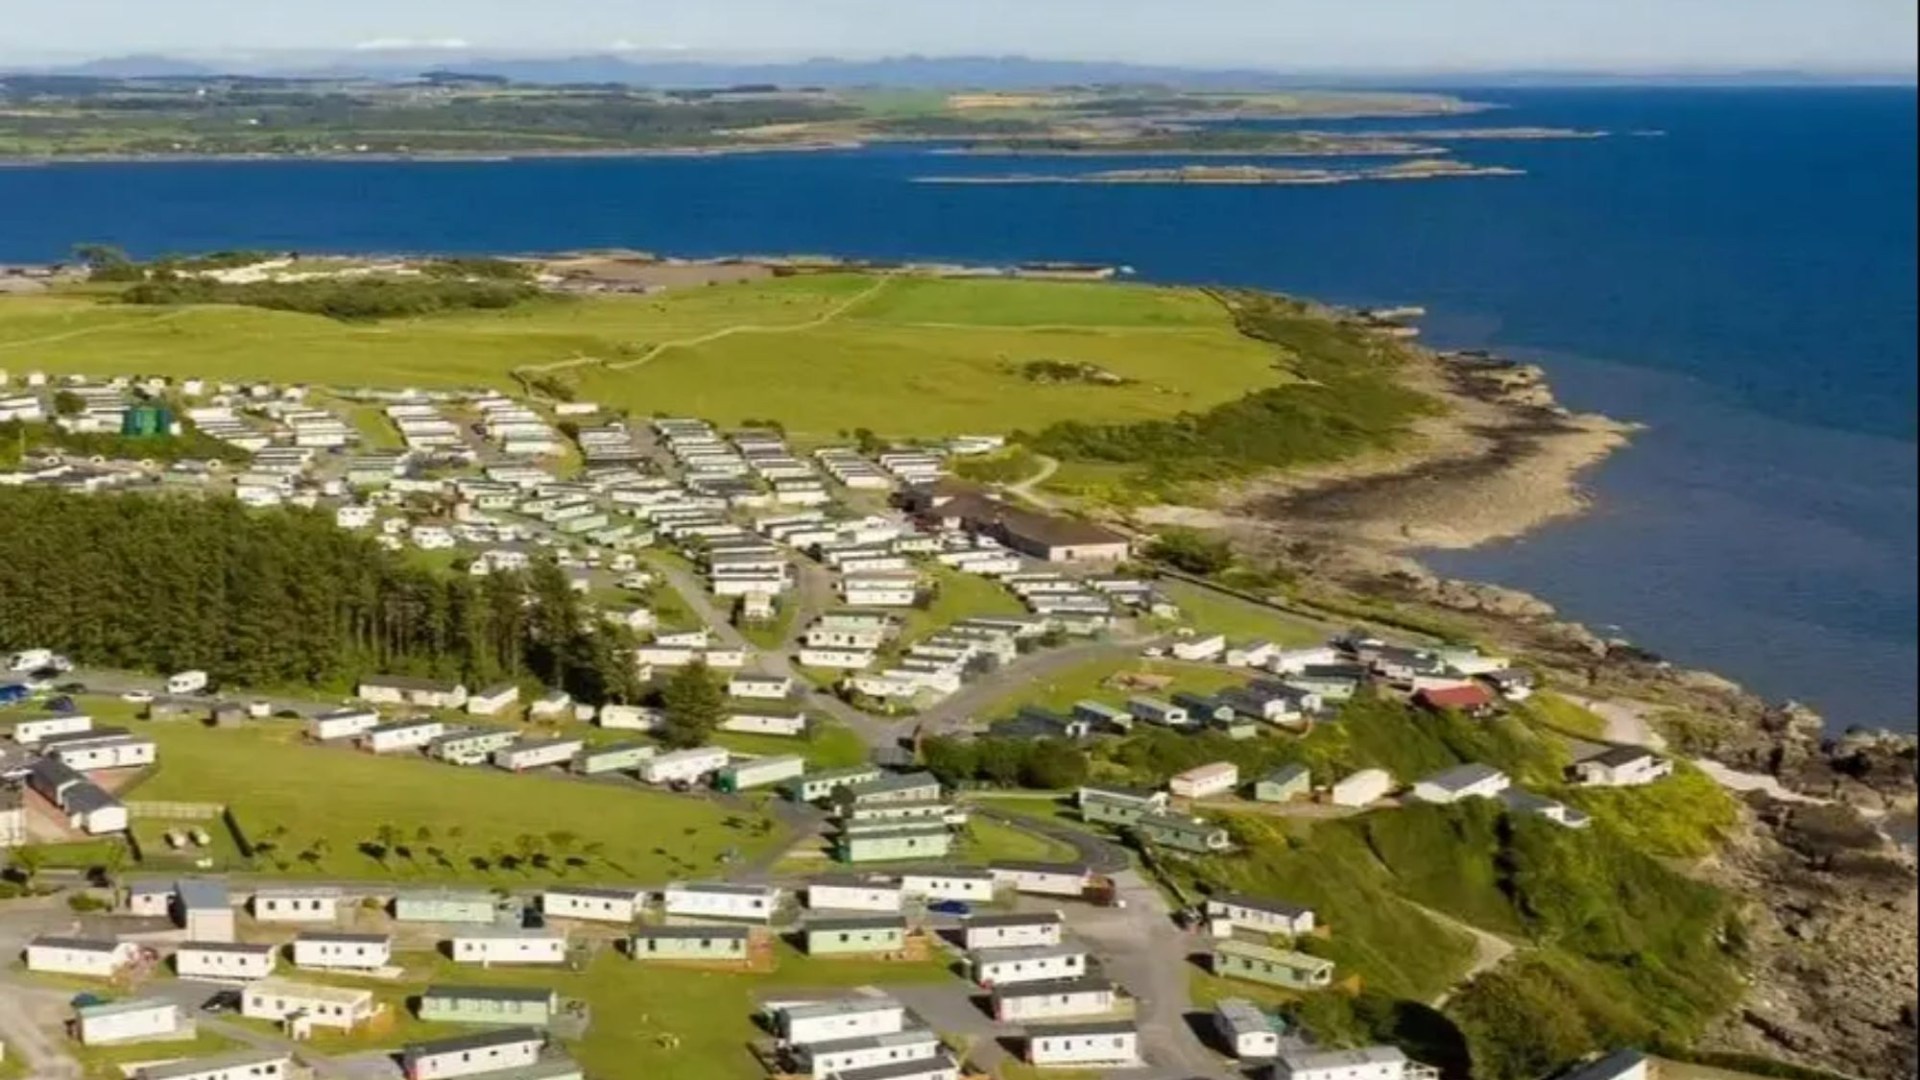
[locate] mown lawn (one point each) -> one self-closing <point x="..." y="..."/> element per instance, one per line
<point x="957" y="596"/>
<point x="1209" y="612"/>
<point x="105" y="1062"/>
<point x="330" y="802"/>
<point x="647" y="1020"/>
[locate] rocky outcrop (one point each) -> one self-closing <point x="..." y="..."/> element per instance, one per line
<point x="1830" y="928"/>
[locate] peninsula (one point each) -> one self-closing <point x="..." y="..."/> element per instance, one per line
<point x="1418" y="169"/>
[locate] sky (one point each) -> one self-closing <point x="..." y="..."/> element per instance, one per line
<point x="1432" y="35"/>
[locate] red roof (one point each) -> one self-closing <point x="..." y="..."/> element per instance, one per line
<point x="1469" y="696"/>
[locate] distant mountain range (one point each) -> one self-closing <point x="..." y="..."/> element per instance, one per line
<point x="984" y="72"/>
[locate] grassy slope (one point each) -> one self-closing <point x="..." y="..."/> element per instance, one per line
<point x="1090" y="681"/>
<point x="271" y="779"/>
<point x="1212" y="613"/>
<point x="916" y="357"/>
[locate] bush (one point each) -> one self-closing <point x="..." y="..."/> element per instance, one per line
<point x="1192" y="551"/>
<point x="336" y="298"/>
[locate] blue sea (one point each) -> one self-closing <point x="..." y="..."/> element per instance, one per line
<point x="1743" y="283"/>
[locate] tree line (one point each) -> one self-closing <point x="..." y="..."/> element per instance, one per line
<point x="281" y="597"/>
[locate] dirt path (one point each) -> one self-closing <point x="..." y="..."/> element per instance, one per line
<point x="711" y="336"/>
<point x="87" y="331"/>
<point x="1490" y="950"/>
<point x="1028" y="489"/>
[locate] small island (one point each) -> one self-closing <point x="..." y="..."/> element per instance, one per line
<point x="1245" y="175"/>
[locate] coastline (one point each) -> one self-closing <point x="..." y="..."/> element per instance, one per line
<point x="1241" y="176"/>
<point x="450" y="156"/>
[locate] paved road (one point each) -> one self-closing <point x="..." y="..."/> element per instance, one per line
<point x="1101" y="855"/>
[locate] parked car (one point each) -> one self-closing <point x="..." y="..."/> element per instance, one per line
<point x="950" y="907"/>
<point x="137" y="697"/>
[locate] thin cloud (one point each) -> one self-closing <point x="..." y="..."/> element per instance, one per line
<point x="398" y="43"/>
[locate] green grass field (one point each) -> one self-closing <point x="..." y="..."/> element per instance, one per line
<point x="822" y="353"/>
<point x="1090" y="681"/>
<point x="273" y="781"/>
<point x="1210" y="612"/>
<point x="647" y="1020"/>
<point x="106" y="1062"/>
<point x="958" y="596"/>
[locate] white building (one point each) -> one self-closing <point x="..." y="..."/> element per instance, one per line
<point x="507" y="945"/>
<point x="915" y="1046"/>
<point x="1021" y="1002"/>
<point x="1198" y="649"/>
<point x="1367" y="1063"/>
<point x="1206" y="781"/>
<point x="760" y="687"/>
<point x="342" y="724"/>
<point x="92" y="958"/>
<point x="1028" y="964"/>
<point x="813" y="1022"/>
<point x="1363" y="788"/>
<point x="1101" y="1043"/>
<point x="223" y="961"/>
<point x="1622" y="766"/>
<point x="630" y="717"/>
<point x="537" y="753"/>
<point x="1042" y="879"/>
<point x="856" y="894"/>
<point x="307" y="1004"/>
<point x="684" y="766"/>
<point x="94" y="751"/>
<point x="1006" y="931"/>
<point x="402" y="735"/>
<point x="716" y="900"/>
<point x="360" y="952"/>
<point x="470" y="1055"/>
<point x="967" y="886"/>
<point x="235" y="1065"/>
<point x="593" y="905"/>
<point x="28" y="730"/>
<point x="1469" y="781"/>
<point x="493" y="700"/>
<point x="1231" y="911"/>
<point x="1247" y="1031"/>
<point x="297" y="904"/>
<point x="126" y="1021"/>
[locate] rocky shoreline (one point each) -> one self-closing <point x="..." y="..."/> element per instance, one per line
<point x="1830" y="899"/>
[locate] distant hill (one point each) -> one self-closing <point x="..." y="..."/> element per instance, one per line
<point x="984" y="72"/>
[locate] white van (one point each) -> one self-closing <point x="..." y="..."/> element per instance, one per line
<point x="30" y="660"/>
<point x="187" y="682"/>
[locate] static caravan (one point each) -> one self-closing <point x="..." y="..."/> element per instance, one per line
<point x="93" y="958"/>
<point x="1248" y="1032"/>
<point x="1043" y="879"/>
<point x="1111" y="1043"/>
<point x="848" y="1057"/>
<point x="630" y="717"/>
<point x="537" y="754"/>
<point x="402" y="735"/>
<point x="949" y="883"/>
<point x="133" y="1020"/>
<point x="1013" y="930"/>
<point x="851" y="893"/>
<point x="237" y="1065"/>
<point x="342" y="724"/>
<point x="593" y="905"/>
<point x="809" y="1023"/>
<point x="718" y="900"/>
<point x="224" y="961"/>
<point x="938" y="1067"/>
<point x="695" y="943"/>
<point x="612" y="757"/>
<point x="1206" y="781"/>
<point x="490" y="1005"/>
<point x="752" y="773"/>
<point x="1020" y="1002"/>
<point x="507" y="945"/>
<point x="472" y="907"/>
<point x="468" y="1055"/>
<point x="1230" y="911"/>
<point x="815" y="786"/>
<point x="855" y="935"/>
<point x="359" y="952"/>
<point x="1027" y="964"/>
<point x="1119" y="806"/>
<point x="684" y="766"/>
<point x="310" y="1004"/>
<point x="1235" y="959"/>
